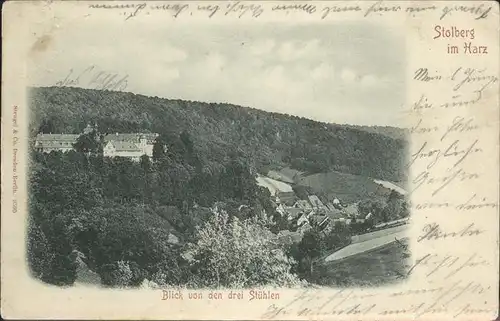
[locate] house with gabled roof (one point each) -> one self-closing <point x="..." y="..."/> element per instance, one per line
<point x="304" y="227"/>
<point x="122" y="149"/>
<point x="305" y="217"/>
<point x="293" y="212"/>
<point x="287" y="198"/>
<point x="316" y="202"/>
<point x="335" y="214"/>
<point x="47" y="143"/>
<point x="302" y="204"/>
<point x="123" y="142"/>
<point x="321" y="221"/>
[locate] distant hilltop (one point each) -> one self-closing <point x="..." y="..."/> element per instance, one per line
<point x="220" y="130"/>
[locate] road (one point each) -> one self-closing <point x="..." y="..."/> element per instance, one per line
<point x="378" y="239"/>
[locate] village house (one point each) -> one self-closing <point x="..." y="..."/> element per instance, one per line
<point x="306" y="226"/>
<point x="287" y="198"/>
<point x="303" y="204"/>
<point x="321" y="221"/>
<point x="316" y="203"/>
<point x="330" y="206"/>
<point x="304" y="218"/>
<point x="336" y="215"/>
<point x="289" y="212"/>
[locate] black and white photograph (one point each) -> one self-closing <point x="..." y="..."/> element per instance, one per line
<point x="217" y="156"/>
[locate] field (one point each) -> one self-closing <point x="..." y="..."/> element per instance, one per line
<point x="346" y="187"/>
<point x="273" y="185"/>
<point x="391" y="186"/>
<point x="385" y="265"/>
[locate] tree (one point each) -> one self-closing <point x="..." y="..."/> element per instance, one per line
<point x="376" y="207"/>
<point x="52" y="124"/>
<point x="90" y="143"/>
<point x="237" y="182"/>
<point x="159" y="149"/>
<point x="117" y="274"/>
<point x="234" y="253"/>
<point x="397" y="207"/>
<point x="311" y="247"/>
<point x="187" y="141"/>
<point x="339" y="236"/>
<point x="302" y="191"/>
<point x="40" y="252"/>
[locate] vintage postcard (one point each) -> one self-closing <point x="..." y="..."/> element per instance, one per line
<point x="250" y="160"/>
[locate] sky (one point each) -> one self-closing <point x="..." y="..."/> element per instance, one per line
<point x="340" y="73"/>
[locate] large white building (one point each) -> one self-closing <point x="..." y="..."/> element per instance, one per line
<point x="132" y="146"/>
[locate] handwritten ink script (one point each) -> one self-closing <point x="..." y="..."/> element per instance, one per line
<point x="457" y="146"/>
<point x="94" y="78"/>
<point x="353" y="304"/>
<point x="433" y="232"/>
<point x="244" y="9"/>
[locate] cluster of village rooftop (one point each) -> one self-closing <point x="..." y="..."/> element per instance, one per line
<point x="129" y="145"/>
<point x="303" y="214"/>
<point x="306" y="213"/>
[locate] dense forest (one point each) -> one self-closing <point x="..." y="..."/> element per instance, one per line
<point x="119" y="214"/>
<point x="219" y="130"/>
<point x="192" y="214"/>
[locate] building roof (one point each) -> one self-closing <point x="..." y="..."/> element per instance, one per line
<point x="318" y="219"/>
<point x="335" y="214"/>
<point x="54" y="144"/>
<point x="286" y="194"/>
<point x="293" y="212"/>
<point x="304" y="227"/>
<point x="57" y="137"/>
<point x="122" y="146"/>
<point x="130" y="137"/>
<point x="302" y="204"/>
<point x="315" y="201"/>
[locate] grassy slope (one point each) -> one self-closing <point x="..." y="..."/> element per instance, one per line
<point x="388" y="264"/>
<point x="346" y="187"/>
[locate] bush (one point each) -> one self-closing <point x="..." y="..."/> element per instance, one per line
<point x="237" y="254"/>
<point x="117" y="274"/>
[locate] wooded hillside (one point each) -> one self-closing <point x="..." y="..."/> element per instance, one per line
<point x="221" y="130"/>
